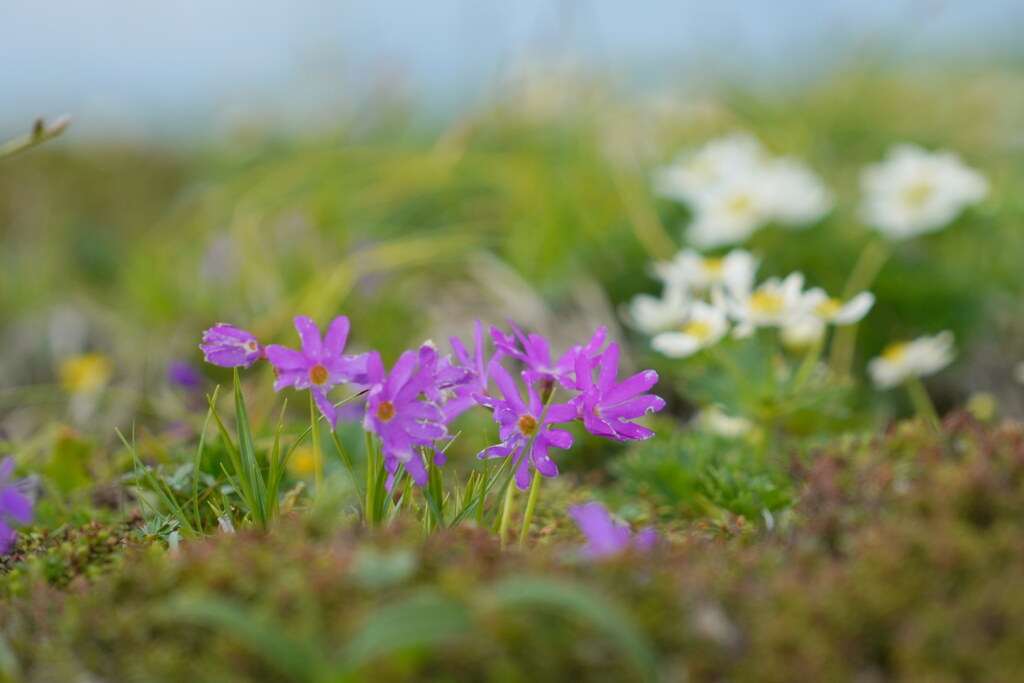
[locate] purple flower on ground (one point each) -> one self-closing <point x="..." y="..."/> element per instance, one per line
<point x="229" y="347"/>
<point x="445" y="376"/>
<point x="402" y="421"/>
<point x="605" y="537"/>
<point x="184" y="375"/>
<point x="14" y="506"/>
<point x="476" y="362"/>
<point x="526" y="432"/>
<point x="320" y="366"/>
<point x="534" y="352"/>
<point x="607" y="406"/>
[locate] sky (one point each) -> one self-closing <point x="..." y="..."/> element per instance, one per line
<point x="145" y="68"/>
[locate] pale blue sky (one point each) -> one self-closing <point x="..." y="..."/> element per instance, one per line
<point x="149" y="68"/>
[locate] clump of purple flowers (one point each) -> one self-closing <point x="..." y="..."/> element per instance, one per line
<point x="410" y="407"/>
<point x="606" y="406"/>
<point x="15" y="506"/>
<point x="607" y="538"/>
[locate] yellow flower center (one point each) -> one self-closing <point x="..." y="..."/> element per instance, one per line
<point x="762" y="301"/>
<point x="385" y="411"/>
<point x="739" y="204"/>
<point x="699" y="329"/>
<point x="916" y="195"/>
<point x="527" y="425"/>
<point x="894" y="352"/>
<point x="714" y="267"/>
<point x="829" y="307"/>
<point x="318" y="374"/>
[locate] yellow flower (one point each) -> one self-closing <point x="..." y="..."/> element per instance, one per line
<point x="85" y="372"/>
<point x="302" y="463"/>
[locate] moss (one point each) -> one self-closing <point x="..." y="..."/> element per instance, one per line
<point x="901" y="563"/>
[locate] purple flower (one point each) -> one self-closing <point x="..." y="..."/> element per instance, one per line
<point x="320" y="366"/>
<point x="229" y="347"/>
<point x="445" y="376"/>
<point x="477" y="363"/>
<point x="534" y="352"/>
<point x="14" y="506"/>
<point x="526" y="432"/>
<point x="184" y="375"/>
<point x="402" y="421"/>
<point x="606" y="406"/>
<point x="606" y="538"/>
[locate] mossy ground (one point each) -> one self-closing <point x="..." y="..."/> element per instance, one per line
<point x="900" y="561"/>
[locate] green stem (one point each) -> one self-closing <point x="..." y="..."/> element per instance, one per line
<point x="40" y="133"/>
<point x="922" y="402"/>
<point x="531" y="502"/>
<point x="809" y="362"/>
<point x="371" y="481"/>
<point x="318" y="452"/>
<point x="506" y="513"/>
<point x="863" y="276"/>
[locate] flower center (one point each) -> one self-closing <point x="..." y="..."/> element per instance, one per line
<point x="766" y="302"/>
<point x="385" y="411"/>
<point x="829" y="307"/>
<point x="318" y="374"/>
<point x="917" y="195"/>
<point x="739" y="204"/>
<point x="527" y="425"/>
<point x="895" y="352"/>
<point x="251" y="345"/>
<point x="714" y="267"/>
<point x="699" y="329"/>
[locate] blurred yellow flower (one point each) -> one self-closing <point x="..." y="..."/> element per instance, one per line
<point x="302" y="463"/>
<point x="85" y="372"/>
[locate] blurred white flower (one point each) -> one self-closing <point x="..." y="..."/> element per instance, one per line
<point x="774" y="303"/>
<point x="918" y="358"/>
<point x="798" y="197"/>
<point x="734" y="187"/>
<point x="693" y="174"/>
<point x="730" y="212"/>
<point x="694" y="272"/>
<point x="802" y="332"/>
<point x="1018" y="372"/>
<point x="705" y="326"/>
<point x="650" y="314"/>
<point x="714" y="420"/>
<point x="836" y="312"/>
<point x="915" y="191"/>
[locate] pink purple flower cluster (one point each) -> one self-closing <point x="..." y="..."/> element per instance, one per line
<point x="410" y="407"/>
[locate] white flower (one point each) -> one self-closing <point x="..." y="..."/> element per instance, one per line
<point x="734" y="187"/>
<point x="1018" y="372"/>
<point x="693" y="174"/>
<point x="705" y="326"/>
<point x="730" y="212"/>
<point x="915" y="191"/>
<point x="693" y="272"/>
<point x="818" y="310"/>
<point x="919" y="358"/>
<point x="798" y="196"/>
<point x="775" y="303"/>
<point x="651" y="314"/>
<point x="802" y="332"/>
<point x="834" y="311"/>
<point x="714" y="420"/>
